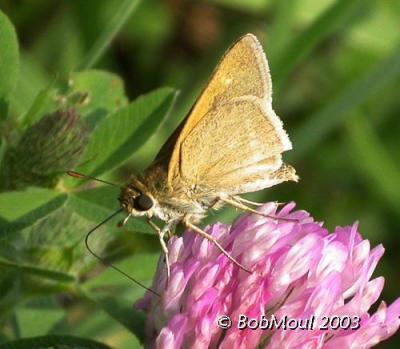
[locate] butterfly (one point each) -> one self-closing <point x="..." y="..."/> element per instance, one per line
<point x="230" y="143"/>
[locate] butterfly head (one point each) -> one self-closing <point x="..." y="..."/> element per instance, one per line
<point x="136" y="201"/>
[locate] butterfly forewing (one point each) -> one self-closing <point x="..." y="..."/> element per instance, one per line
<point x="231" y="140"/>
<point x="243" y="70"/>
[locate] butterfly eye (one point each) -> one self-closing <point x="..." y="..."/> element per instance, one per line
<point x="143" y="203"/>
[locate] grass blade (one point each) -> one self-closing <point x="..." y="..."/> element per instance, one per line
<point x="281" y="30"/>
<point x="372" y="160"/>
<point x="37" y="271"/>
<point x="326" y="24"/>
<point x="321" y="123"/>
<point x="122" y="311"/>
<point x="110" y="31"/>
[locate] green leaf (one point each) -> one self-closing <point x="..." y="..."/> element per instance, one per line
<point x="37" y="321"/>
<point x="124" y="292"/>
<point x="44" y="342"/>
<point x="99" y="203"/>
<point x="31" y="80"/>
<point x="56" y="244"/>
<point x="43" y="103"/>
<point x="140" y="266"/>
<point x="120" y="17"/>
<point x="326" y="24"/>
<point x="121" y="310"/>
<point x="118" y="136"/>
<point x="93" y="93"/>
<point x="318" y="125"/>
<point x="37" y="271"/>
<point x="9" y="63"/>
<point x="20" y="209"/>
<point x="105" y="92"/>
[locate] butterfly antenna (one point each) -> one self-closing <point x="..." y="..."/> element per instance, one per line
<point x="83" y="176"/>
<point x="103" y="261"/>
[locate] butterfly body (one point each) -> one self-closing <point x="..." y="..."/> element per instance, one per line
<point x="170" y="204"/>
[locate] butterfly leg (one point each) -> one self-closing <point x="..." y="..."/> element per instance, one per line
<point x="245" y="201"/>
<point x="161" y="233"/>
<point x="215" y="242"/>
<point x="169" y="227"/>
<point x="241" y="206"/>
<point x="249" y="202"/>
<point x="165" y="249"/>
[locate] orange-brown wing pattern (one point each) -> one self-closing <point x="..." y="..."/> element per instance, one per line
<point x="234" y="148"/>
<point x="232" y="125"/>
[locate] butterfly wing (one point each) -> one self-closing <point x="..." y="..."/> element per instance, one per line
<point x="232" y="140"/>
<point x="235" y="149"/>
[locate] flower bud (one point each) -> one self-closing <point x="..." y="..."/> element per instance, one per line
<point x="48" y="148"/>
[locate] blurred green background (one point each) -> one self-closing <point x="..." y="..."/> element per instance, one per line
<point x="335" y="68"/>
